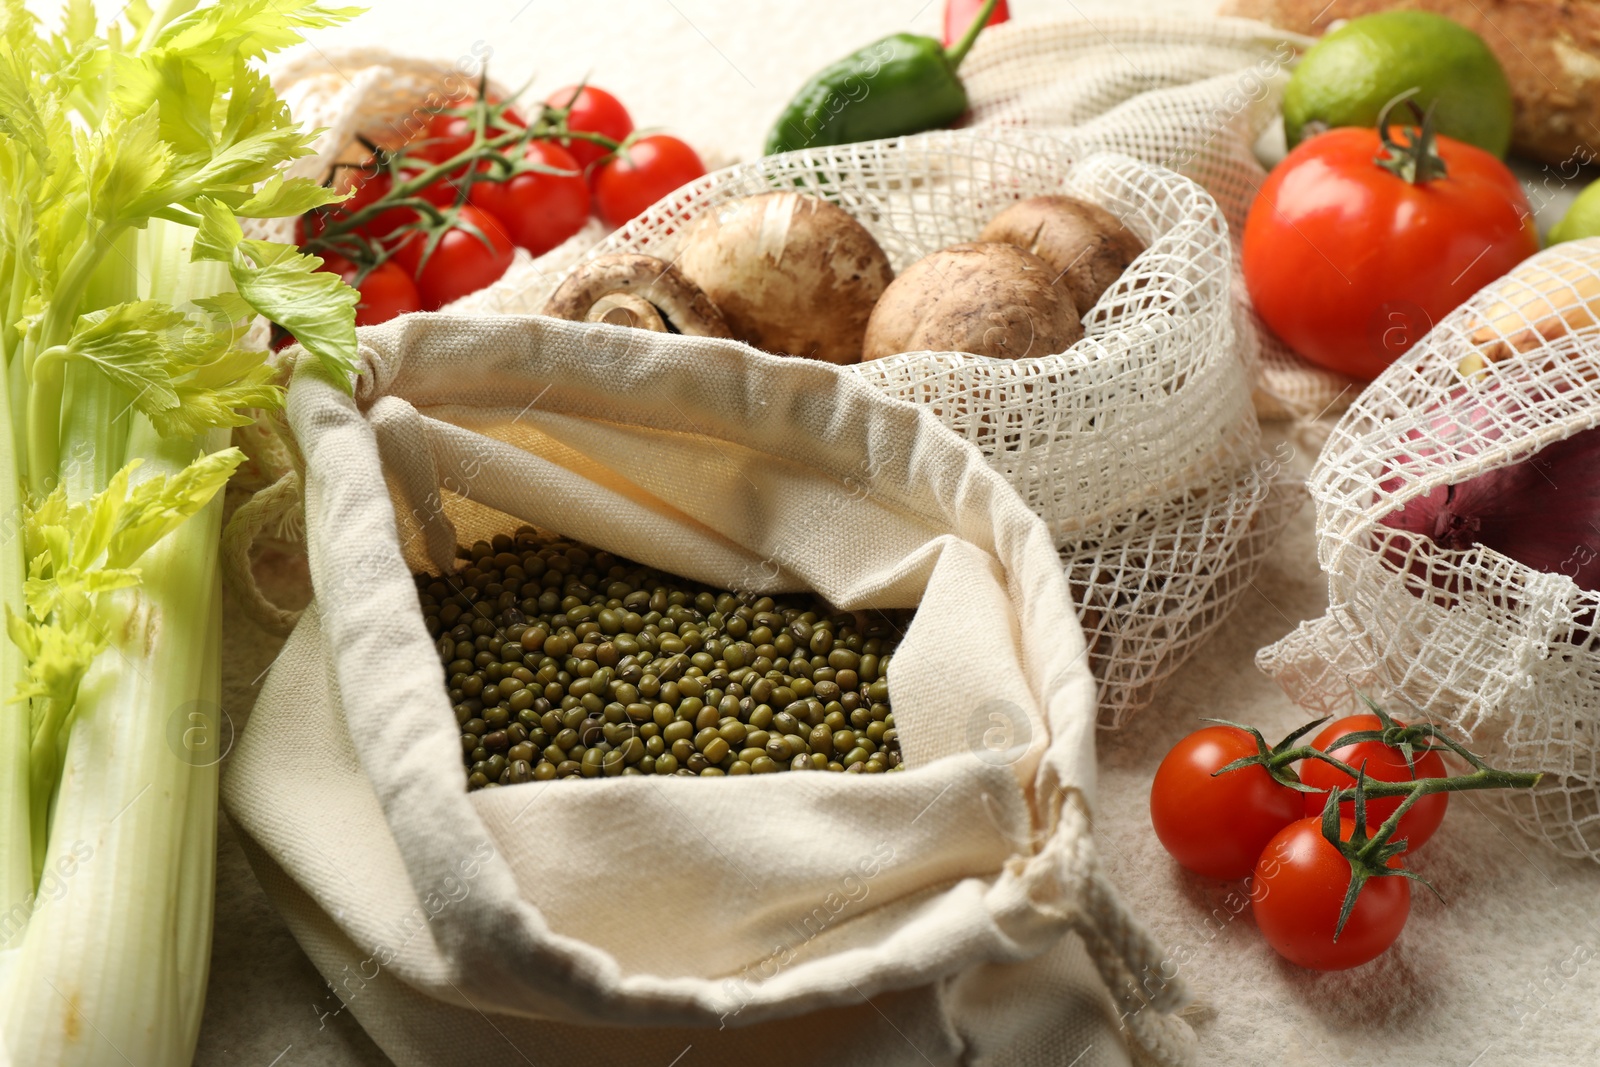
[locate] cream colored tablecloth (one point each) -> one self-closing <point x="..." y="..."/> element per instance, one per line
<point x="1502" y="974"/>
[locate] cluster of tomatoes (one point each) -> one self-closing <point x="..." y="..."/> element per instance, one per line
<point x="1247" y="823"/>
<point x="441" y="216"/>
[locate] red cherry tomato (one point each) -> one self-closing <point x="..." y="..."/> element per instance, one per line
<point x="1383" y="764"/>
<point x="368" y="183"/>
<point x="461" y="262"/>
<point x="445" y="137"/>
<point x="1217" y="826"/>
<point x="591" y="111"/>
<point x="958" y="15"/>
<point x="1350" y="264"/>
<point x="538" y="211"/>
<point x="651" y="168"/>
<point x="1299" y="889"/>
<point x="386" y="291"/>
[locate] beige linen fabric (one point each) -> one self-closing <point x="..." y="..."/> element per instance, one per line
<point x="665" y="902"/>
<point x="1501" y="651"/>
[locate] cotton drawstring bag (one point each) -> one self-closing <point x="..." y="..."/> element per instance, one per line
<point x="952" y="912"/>
<point x="1422" y="615"/>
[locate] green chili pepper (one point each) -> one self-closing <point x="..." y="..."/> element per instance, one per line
<point x="905" y="83"/>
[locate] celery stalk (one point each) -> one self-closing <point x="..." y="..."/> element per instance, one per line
<point x="16" y="849"/>
<point x="129" y="794"/>
<point x="128" y="288"/>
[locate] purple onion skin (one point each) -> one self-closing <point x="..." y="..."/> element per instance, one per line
<point x="1543" y="512"/>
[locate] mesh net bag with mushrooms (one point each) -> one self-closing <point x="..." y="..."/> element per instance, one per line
<point x="1071" y="319"/>
<point x="1457" y="513"/>
<point x="1194" y="95"/>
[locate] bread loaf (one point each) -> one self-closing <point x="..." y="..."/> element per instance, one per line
<point x="1550" y="50"/>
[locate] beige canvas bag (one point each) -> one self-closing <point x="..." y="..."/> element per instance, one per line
<point x="938" y="914"/>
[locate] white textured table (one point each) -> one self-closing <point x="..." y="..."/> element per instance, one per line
<point x="1504" y="973"/>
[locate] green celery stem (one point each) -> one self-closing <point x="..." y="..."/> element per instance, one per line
<point x="140" y="810"/>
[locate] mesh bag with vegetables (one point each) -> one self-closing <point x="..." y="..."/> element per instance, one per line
<point x="681" y="527"/>
<point x="1458" y="524"/>
<point x="1190" y="94"/>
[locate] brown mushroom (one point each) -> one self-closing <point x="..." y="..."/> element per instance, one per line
<point x="791" y="274"/>
<point x="634" y="290"/>
<point x="990" y="299"/>
<point x="1087" y="246"/>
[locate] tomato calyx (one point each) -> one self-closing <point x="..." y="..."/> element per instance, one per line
<point x="1369" y="856"/>
<point x="1276" y="759"/>
<point x="1417" y="161"/>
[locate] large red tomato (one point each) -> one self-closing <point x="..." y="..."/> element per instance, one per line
<point x="386" y="291"/>
<point x="1383" y="764"/>
<point x="1298" y="889"/>
<point x="1217" y="824"/>
<point x="1351" y="264"/>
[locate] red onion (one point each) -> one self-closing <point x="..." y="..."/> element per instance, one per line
<point x="1543" y="511"/>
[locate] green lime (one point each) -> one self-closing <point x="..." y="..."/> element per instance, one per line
<point x="1347" y="77"/>
<point x="1582" y="218"/>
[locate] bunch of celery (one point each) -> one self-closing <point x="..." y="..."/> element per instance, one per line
<point x="128" y="153"/>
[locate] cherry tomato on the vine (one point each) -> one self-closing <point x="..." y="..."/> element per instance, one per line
<point x="538" y="211"/>
<point x="1299" y="888"/>
<point x="386" y="291"/>
<point x="1217" y="826"/>
<point x="1351" y="264"/>
<point x="461" y="262"/>
<point x="592" y="111"/>
<point x="368" y="183"/>
<point x="1383" y="764"/>
<point x="648" y="170"/>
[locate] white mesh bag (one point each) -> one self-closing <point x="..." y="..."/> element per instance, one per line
<point x="790" y="918"/>
<point x="1193" y="95"/>
<point x="1425" y="616"/>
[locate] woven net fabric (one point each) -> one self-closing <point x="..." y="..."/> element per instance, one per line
<point x="1191" y="95"/>
<point x="1139" y="446"/>
<point x="1504" y="652"/>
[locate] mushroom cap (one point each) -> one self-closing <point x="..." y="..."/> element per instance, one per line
<point x="681" y="303"/>
<point x="989" y="299"/>
<point x="792" y="274"/>
<point x="1086" y="245"/>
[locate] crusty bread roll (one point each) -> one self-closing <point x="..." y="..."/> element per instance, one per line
<point x="1550" y="50"/>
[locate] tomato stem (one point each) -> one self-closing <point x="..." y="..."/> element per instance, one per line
<point x="1418" y="161"/>
<point x="342" y="233"/>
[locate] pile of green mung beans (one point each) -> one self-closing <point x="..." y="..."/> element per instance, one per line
<point x="565" y="661"/>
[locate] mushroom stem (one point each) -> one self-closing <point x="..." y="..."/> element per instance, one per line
<point x="625" y="309"/>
